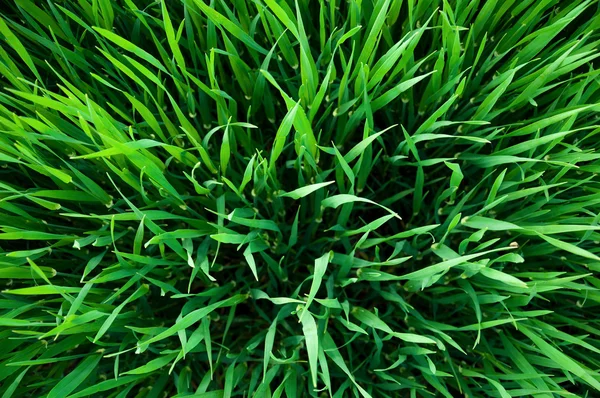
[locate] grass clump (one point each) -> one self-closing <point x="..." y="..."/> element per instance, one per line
<point x="270" y="198"/>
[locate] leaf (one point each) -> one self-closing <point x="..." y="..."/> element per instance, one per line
<point x="282" y="133"/>
<point x="75" y="378"/>
<point x="153" y="365"/>
<point x="372" y="320"/>
<point x="569" y="247"/>
<point x="304" y="191"/>
<point x="502" y="277"/>
<point x="142" y="290"/>
<point x="192" y="318"/>
<point x="559" y="358"/>
<point x="309" y="329"/>
<point x="338" y="200"/>
<point x="318" y="274"/>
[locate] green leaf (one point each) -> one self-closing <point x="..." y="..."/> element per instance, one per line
<point x="75" y="378"/>
<point x="309" y="329"/>
<point x="305" y="191"/>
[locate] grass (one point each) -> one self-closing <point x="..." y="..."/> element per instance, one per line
<point x="376" y="198"/>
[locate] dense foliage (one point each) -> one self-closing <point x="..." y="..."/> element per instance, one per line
<point x="315" y="198"/>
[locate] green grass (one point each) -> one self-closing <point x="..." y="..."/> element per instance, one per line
<point x="267" y="198"/>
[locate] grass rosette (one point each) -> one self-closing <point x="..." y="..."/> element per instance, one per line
<point x="275" y="198"/>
